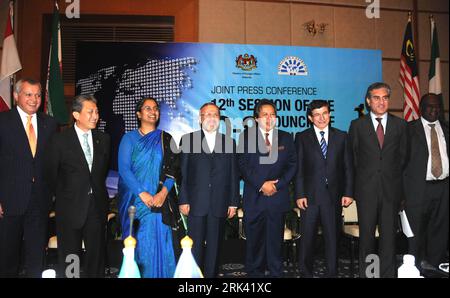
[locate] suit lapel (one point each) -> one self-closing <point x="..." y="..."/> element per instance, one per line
<point x="444" y="127"/>
<point x="42" y="129"/>
<point x="420" y="131"/>
<point x="219" y="143"/>
<point x="313" y="139"/>
<point x="97" y="147"/>
<point x="261" y="140"/>
<point x="205" y="147"/>
<point x="331" y="142"/>
<point x="21" y="133"/>
<point x="77" y="147"/>
<point x="389" y="134"/>
<point x="369" y="127"/>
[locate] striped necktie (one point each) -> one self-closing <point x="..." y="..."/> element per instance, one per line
<point x="323" y="145"/>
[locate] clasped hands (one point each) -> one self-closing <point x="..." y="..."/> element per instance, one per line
<point x="154" y="201"/>
<point x="269" y="188"/>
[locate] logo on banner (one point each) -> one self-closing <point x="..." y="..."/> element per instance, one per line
<point x="246" y="62"/>
<point x="292" y="66"/>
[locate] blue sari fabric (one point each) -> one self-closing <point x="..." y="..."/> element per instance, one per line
<point x="140" y="159"/>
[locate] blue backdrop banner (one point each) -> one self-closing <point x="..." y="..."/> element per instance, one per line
<point x="183" y="76"/>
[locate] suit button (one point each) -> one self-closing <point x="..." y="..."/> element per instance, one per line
<point x="209" y="185"/>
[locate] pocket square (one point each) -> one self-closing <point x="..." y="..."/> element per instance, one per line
<point x="280" y="148"/>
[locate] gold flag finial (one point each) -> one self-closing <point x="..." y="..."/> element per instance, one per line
<point x="186" y="242"/>
<point x="129" y="242"/>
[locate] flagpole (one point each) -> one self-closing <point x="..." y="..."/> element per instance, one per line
<point x="12" y="79"/>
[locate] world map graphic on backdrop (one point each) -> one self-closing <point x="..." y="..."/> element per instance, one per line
<point x="161" y="79"/>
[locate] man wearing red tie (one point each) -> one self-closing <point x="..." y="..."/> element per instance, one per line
<point x="24" y="199"/>
<point x="379" y="142"/>
<point x="267" y="162"/>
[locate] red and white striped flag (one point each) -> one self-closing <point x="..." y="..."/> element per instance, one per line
<point x="409" y="77"/>
<point x="10" y="63"/>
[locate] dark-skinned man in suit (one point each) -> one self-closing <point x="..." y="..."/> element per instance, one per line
<point x="426" y="184"/>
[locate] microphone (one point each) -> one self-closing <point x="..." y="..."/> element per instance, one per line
<point x="131" y="214"/>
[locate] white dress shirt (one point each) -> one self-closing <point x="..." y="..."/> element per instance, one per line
<point x="270" y="136"/>
<point x="383" y="121"/>
<point x="442" y="149"/>
<point x="319" y="136"/>
<point x="210" y="139"/>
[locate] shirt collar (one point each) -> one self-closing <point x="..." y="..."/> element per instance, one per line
<point x="317" y="130"/>
<point x="80" y="132"/>
<point x="263" y="132"/>
<point x="426" y="122"/>
<point x="22" y="113"/>
<point x="374" y="117"/>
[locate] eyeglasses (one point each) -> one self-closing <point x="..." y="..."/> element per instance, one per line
<point x="148" y="108"/>
<point x="210" y="115"/>
<point x="379" y="98"/>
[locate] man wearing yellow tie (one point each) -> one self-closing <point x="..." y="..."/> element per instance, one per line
<point x="24" y="199"/>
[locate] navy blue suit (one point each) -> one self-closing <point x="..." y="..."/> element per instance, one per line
<point x="24" y="196"/>
<point x="264" y="215"/>
<point x="210" y="184"/>
<point x="323" y="181"/>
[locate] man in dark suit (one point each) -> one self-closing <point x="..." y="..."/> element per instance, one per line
<point x="76" y="169"/>
<point x="24" y="198"/>
<point x="268" y="162"/>
<point x="210" y="186"/>
<point x="426" y="183"/>
<point x="324" y="183"/>
<point x="378" y="141"/>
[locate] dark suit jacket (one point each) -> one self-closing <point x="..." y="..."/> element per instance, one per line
<point x="378" y="172"/>
<point x="255" y="173"/>
<point x="68" y="175"/>
<point x="313" y="169"/>
<point x="416" y="169"/>
<point x="210" y="181"/>
<point x="17" y="165"/>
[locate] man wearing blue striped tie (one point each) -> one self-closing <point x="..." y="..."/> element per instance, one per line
<point x="324" y="183"/>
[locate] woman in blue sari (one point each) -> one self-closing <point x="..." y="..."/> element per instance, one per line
<point x="147" y="170"/>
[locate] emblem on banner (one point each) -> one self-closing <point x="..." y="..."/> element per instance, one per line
<point x="292" y="66"/>
<point x="246" y="62"/>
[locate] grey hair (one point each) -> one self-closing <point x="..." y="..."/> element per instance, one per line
<point x="77" y="104"/>
<point x="19" y="83"/>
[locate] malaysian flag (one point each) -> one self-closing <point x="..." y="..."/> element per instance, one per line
<point x="409" y="78"/>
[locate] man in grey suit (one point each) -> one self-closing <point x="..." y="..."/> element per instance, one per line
<point x="426" y="183"/>
<point x="378" y="141"/>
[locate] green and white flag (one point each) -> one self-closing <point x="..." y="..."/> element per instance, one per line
<point x="54" y="100"/>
